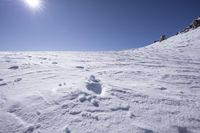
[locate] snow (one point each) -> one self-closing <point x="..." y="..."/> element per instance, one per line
<point x="94" y="85"/>
<point x="155" y="89"/>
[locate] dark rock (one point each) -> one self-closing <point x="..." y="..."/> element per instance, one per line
<point x="162" y="38"/>
<point x="156" y="41"/>
<point x="196" y="23"/>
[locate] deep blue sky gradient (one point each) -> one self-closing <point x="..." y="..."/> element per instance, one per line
<point x="84" y="25"/>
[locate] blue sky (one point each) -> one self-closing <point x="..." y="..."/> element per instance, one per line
<point x="91" y="25"/>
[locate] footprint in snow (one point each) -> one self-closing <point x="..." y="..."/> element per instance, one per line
<point x="29" y="129"/>
<point x="18" y="79"/>
<point x="80" y="67"/>
<point x="7" y="61"/>
<point x="3" y="84"/>
<point x="54" y="63"/>
<point x="43" y="58"/>
<point x="121" y="107"/>
<point x="14" y="67"/>
<point x="182" y="129"/>
<point x="67" y="130"/>
<point x="94" y="85"/>
<point x="162" y="88"/>
<point x="82" y="98"/>
<point x="62" y="84"/>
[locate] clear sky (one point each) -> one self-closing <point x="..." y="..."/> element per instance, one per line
<point x="85" y="25"/>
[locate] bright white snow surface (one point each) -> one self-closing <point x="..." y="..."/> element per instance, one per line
<point x="155" y="89"/>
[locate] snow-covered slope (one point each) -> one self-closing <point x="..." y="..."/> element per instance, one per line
<point x="147" y="90"/>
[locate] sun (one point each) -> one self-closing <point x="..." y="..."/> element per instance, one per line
<point x="33" y="4"/>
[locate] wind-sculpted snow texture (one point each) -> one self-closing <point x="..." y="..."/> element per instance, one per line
<point x="155" y="89"/>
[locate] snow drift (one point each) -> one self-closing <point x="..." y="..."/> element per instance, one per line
<point x="155" y="89"/>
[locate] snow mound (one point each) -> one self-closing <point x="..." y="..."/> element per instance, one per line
<point x="94" y="85"/>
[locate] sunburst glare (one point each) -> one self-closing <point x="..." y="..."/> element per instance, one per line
<point x="33" y="4"/>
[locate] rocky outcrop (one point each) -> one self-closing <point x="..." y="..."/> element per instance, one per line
<point x="162" y="38"/>
<point x="196" y="23"/>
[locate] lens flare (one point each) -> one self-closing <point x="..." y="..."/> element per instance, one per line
<point x="33" y="4"/>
